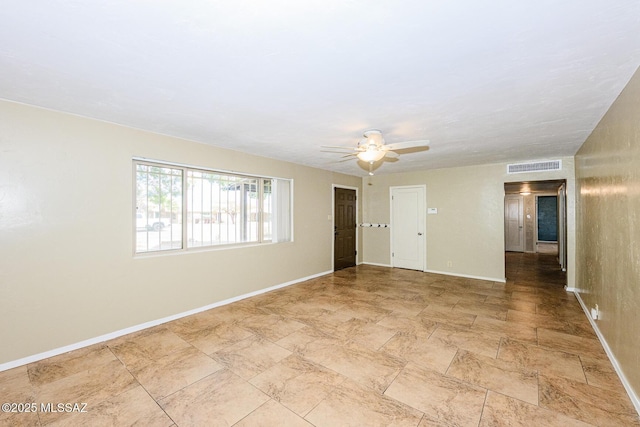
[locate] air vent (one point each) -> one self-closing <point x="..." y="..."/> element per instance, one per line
<point x="549" y="165"/>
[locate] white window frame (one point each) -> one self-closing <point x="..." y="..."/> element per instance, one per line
<point x="282" y="223"/>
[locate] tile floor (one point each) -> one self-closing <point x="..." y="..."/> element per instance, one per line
<point x="366" y="346"/>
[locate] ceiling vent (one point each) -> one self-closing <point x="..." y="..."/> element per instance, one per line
<point x="548" y="165"/>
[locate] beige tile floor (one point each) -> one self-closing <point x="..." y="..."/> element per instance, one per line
<point x="366" y="346"/>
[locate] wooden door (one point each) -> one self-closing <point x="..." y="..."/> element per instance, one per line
<point x="344" y="249"/>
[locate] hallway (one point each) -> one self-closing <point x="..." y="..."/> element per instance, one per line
<point x="541" y="269"/>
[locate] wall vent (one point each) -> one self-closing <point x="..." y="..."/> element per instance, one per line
<point x="547" y="165"/>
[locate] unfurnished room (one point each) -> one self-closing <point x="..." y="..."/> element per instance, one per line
<point x="323" y="213"/>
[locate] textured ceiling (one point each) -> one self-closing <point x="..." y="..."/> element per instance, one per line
<point x="485" y="82"/>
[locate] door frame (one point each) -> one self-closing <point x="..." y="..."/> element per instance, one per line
<point x="566" y="218"/>
<point x="562" y="225"/>
<point x="424" y="222"/>
<point x="333" y="222"/>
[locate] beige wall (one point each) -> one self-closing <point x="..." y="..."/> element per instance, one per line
<point x="67" y="272"/>
<point x="608" y="183"/>
<point x="529" y="207"/>
<point x="468" y="229"/>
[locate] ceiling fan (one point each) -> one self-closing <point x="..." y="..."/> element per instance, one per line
<point x="372" y="148"/>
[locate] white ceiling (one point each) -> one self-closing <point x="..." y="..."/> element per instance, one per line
<point x="485" y="81"/>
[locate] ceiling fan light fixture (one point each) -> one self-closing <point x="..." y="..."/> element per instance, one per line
<point x="371" y="155"/>
<point x="372" y="148"/>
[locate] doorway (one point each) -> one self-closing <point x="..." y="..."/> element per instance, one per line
<point x="408" y="223"/>
<point x="344" y="228"/>
<point x="546" y="223"/>
<point x="543" y="217"/>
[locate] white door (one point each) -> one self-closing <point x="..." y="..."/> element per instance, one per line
<point x="513" y="223"/>
<point x="408" y="224"/>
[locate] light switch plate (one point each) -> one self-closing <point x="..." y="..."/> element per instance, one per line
<point x="432" y="211"/>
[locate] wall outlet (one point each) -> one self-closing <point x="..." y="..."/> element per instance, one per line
<point x="595" y="312"/>
<point x="449" y="264"/>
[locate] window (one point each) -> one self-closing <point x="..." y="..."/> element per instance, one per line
<point x="158" y="208"/>
<point x="180" y="207"/>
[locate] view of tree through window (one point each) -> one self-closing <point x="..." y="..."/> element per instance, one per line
<point x="158" y="208"/>
<point x="181" y="207"/>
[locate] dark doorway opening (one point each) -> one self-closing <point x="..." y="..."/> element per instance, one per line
<point x="547" y="218"/>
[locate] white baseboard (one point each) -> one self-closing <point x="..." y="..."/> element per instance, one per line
<point x="634" y="398"/>
<point x="447" y="273"/>
<point x="376" y="264"/>
<point x="136" y="328"/>
<point x="468" y="276"/>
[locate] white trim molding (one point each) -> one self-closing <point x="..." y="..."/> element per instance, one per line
<point x="146" y="325"/>
<point x="377" y="264"/>
<point x="632" y="395"/>
<point x="468" y="276"/>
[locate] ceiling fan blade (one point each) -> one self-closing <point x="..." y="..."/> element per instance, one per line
<point x="339" y="147"/>
<point x="408" y="144"/>
<point x="349" y="155"/>
<point x="338" y="152"/>
<point x="391" y="154"/>
<point x="343" y="160"/>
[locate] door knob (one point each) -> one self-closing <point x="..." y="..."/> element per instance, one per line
<point x="419" y="234"/>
